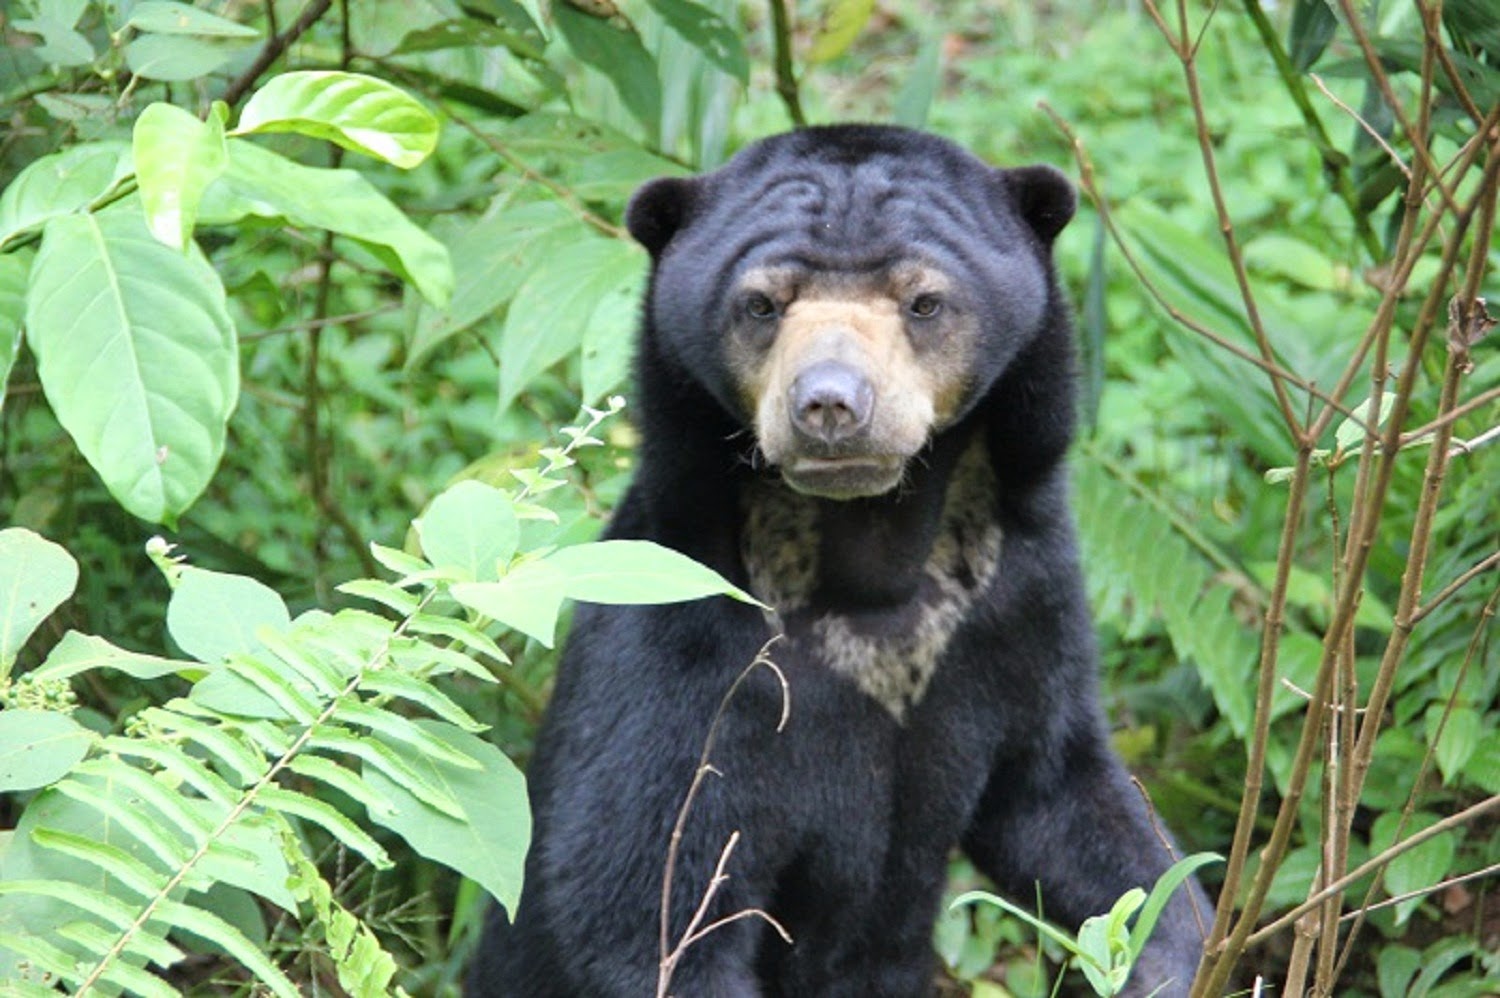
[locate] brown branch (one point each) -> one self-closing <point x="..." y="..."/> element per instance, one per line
<point x="1447" y="591"/>
<point x="275" y="46"/>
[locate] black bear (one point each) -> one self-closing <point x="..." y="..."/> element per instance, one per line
<point x="856" y="385"/>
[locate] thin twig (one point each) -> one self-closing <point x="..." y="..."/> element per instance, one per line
<point x="786" y="75"/>
<point x="1484" y="565"/>
<point x="275" y="46"/>
<point x="1419" y="892"/>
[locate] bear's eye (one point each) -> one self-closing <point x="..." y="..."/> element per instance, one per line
<point x="759" y="306"/>
<point x="925" y="306"/>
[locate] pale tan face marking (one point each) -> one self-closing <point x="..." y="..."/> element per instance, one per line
<point x="918" y="368"/>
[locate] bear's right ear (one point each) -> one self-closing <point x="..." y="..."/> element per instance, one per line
<point x="1044" y="196"/>
<point x="659" y="209"/>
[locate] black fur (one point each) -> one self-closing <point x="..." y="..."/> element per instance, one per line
<point x="847" y="816"/>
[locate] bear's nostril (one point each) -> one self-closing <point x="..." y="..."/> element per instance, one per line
<point x="831" y="402"/>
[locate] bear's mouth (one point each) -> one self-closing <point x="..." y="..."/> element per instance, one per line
<point x="843" y="477"/>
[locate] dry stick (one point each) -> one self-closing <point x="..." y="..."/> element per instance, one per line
<point x="1484" y="565"/>
<point x="1186" y="55"/>
<point x="669" y="958"/>
<point x="1378" y="862"/>
<point x="1439" y="886"/>
<point x="276" y="45"/>
<point x="1428" y="758"/>
<point x="1479" y="401"/>
<point x="1432" y="29"/>
<point x="1360" y="544"/>
<point x="786" y="76"/>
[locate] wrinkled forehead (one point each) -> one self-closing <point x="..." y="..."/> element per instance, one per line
<point x="895" y="280"/>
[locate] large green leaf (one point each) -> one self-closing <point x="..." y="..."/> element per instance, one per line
<point x="176" y="158"/>
<point x="36" y="575"/>
<point x="487" y="842"/>
<point x="137" y="356"/>
<point x="173" y="58"/>
<point x="60" y="184"/>
<point x="1416" y="868"/>
<point x="263" y="184"/>
<point x="471" y="527"/>
<point x="609" y="337"/>
<point x="842" y="23"/>
<point x="527" y="598"/>
<point x="630" y="572"/>
<point x="14" y="268"/>
<point x="548" y="316"/>
<point x="358" y="112"/>
<point x="166" y="18"/>
<point x="77" y="653"/>
<point x="491" y="259"/>
<point x="715" y="37"/>
<point x="213" y="615"/>
<point x="616" y="51"/>
<point x="38" y="747"/>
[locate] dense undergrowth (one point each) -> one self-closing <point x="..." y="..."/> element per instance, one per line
<point x="415" y="277"/>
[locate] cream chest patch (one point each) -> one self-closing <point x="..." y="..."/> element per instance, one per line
<point x="893" y="659"/>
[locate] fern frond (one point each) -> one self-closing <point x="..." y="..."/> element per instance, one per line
<point x="385" y="759"/>
<point x="174" y="762"/>
<point x="149" y="948"/>
<point x="390" y="683"/>
<point x="213" y="928"/>
<point x="249" y="766"/>
<point x="398" y="729"/>
<point x="330" y="819"/>
<point x="316" y="767"/>
<point x="169" y="848"/>
<point x="460" y="631"/>
<point x="133" y="873"/>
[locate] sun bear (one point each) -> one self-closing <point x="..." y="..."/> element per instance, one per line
<point x="855" y="380"/>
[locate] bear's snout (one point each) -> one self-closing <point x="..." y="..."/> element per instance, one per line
<point x="831" y="404"/>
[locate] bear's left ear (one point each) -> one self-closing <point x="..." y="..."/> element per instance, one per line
<point x="658" y="209"/>
<point x="1044" y="197"/>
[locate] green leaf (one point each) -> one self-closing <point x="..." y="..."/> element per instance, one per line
<point x="36" y="575"/>
<point x="61" y="184"/>
<point x="1161" y="893"/>
<point x="61" y="45"/>
<point x="1350" y="434"/>
<point x="14" y="268"/>
<point x="360" y="113"/>
<point x="247" y="765"/>
<point x="378" y="755"/>
<point x="487" y="840"/>
<point x="176" y="58"/>
<point x="609" y="340"/>
<point x="205" y="923"/>
<point x="38" y="747"/>
<point x="149" y="948"/>
<point x="550" y="312"/>
<point x="633" y="572"/>
<point x="176" y="158"/>
<point x="329" y="818"/>
<point x="491" y="259"/>
<point x="384" y="593"/>
<point x="213" y="615"/>
<point x="471" y="527"/>
<point x="914" y="99"/>
<point x="326" y="770"/>
<point x="528" y="599"/>
<point x="263" y="184"/>
<point x="406" y="735"/>
<point x="615" y="50"/>
<point x="1312" y="28"/>
<point x="113" y="860"/>
<point x="472" y="32"/>
<point x="842" y="23"/>
<point x="77" y="653"/>
<point x="388" y="682"/>
<point x="165" y="18"/>
<point x="1459" y="739"/>
<point x="709" y="33"/>
<point x="137" y="356"/>
<point x="1416" y="868"/>
<point x="1053" y="933"/>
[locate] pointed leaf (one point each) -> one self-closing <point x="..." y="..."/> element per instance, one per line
<point x="60" y="183"/>
<point x="205" y="923"/>
<point x="360" y="113"/>
<point x="329" y="818"/>
<point x="709" y="33"/>
<point x="77" y="653"/>
<point x="14" y="269"/>
<point x="842" y="24"/>
<point x="36" y="575"/>
<point x="176" y="158"/>
<point x="615" y="50"/>
<point x="1161" y="893"/>
<point x="165" y="18"/>
<point x="487" y="840"/>
<point x="470" y="527"/>
<point x="113" y="860"/>
<point x="38" y="747"/>
<point x="528" y="599"/>
<point x="260" y="183"/>
<point x="388" y="682"/>
<point x="383" y="593"/>
<point x="631" y="572"/>
<point x="137" y="356"/>
<point x="213" y="615"/>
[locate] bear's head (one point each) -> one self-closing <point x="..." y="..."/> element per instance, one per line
<point x="848" y="292"/>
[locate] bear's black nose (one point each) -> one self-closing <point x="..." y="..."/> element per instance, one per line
<point x="831" y="402"/>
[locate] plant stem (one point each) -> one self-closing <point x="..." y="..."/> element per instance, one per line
<point x="275" y="46"/>
<point x="786" y="76"/>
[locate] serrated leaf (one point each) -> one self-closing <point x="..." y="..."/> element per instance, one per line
<point x="213" y="615"/>
<point x="360" y="113"/>
<point x="487" y="839"/>
<point x="248" y="856"/>
<point x="60" y="183"/>
<point x="470" y="527"/>
<point x="633" y="572"/>
<point x="77" y="653"/>
<point x="165" y="18"/>
<point x="137" y="356"/>
<point x="548" y="316"/>
<point x="38" y="747"/>
<point x="175" y="763"/>
<point x="709" y="33"/>
<point x="329" y="819"/>
<point x="246" y="764"/>
<point x="36" y="575"/>
<point x="616" y="51"/>
<point x="14" y="269"/>
<point x="528" y="599"/>
<point x="260" y="183"/>
<point x="842" y="23"/>
<point x="176" y="158"/>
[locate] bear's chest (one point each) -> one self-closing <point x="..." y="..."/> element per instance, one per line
<point x="889" y="651"/>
